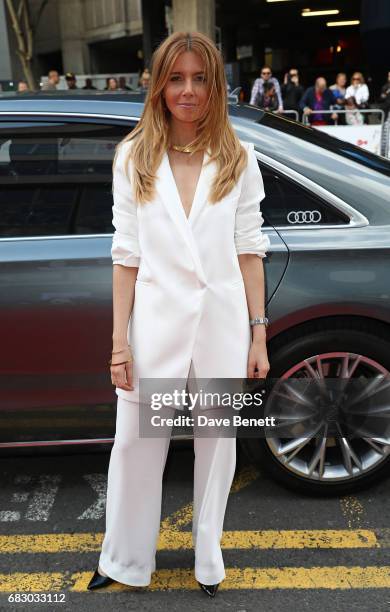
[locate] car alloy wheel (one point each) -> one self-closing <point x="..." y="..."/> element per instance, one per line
<point x="325" y="457"/>
<point x="323" y="463"/>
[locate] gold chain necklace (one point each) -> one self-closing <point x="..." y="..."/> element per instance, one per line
<point x="181" y="149"/>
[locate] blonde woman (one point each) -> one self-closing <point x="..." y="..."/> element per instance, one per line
<point x="358" y="90"/>
<point x="188" y="272"/>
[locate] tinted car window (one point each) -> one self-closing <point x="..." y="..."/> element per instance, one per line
<point x="338" y="146"/>
<point x="56" y="179"/>
<point x="286" y="203"/>
<point x="358" y="177"/>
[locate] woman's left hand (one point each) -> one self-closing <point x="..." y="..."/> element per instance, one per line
<point x="258" y="359"/>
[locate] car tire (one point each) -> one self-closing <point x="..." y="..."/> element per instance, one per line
<point x="315" y="338"/>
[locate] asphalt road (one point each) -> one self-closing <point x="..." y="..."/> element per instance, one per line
<point x="282" y="551"/>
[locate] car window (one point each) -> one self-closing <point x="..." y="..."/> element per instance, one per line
<point x="337" y="146"/>
<point x="328" y="162"/>
<point x="289" y="204"/>
<point x="56" y="179"/>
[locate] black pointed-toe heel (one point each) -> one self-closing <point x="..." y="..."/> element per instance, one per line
<point x="97" y="581"/>
<point x="210" y="589"/>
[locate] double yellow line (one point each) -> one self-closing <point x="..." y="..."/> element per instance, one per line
<point x="172" y="537"/>
<point x="334" y="577"/>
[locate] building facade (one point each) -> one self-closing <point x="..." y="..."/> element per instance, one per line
<point x="103" y="36"/>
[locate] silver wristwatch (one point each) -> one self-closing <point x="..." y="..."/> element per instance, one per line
<point x="259" y="321"/>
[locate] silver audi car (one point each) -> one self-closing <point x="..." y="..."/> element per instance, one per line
<point x="326" y="212"/>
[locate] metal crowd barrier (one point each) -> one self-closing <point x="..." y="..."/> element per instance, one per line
<point x="386" y="138"/>
<point x="376" y="147"/>
<point x="384" y="145"/>
<point x="380" y="111"/>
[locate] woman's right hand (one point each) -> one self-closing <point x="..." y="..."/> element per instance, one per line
<point x="122" y="374"/>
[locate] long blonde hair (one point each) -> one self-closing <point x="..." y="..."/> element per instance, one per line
<point x="358" y="74"/>
<point x="214" y="132"/>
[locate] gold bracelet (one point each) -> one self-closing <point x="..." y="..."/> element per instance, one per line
<point x="114" y="364"/>
<point x="121" y="351"/>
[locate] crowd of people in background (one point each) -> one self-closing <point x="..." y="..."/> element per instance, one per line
<point x="319" y="103"/>
<point x="112" y="83"/>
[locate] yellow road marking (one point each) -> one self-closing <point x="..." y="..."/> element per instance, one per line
<point x="244" y="478"/>
<point x="183" y="516"/>
<point x="333" y="577"/>
<point x="36" y="581"/>
<point x="178" y="540"/>
<point x="172" y="537"/>
<point x="180" y="518"/>
<point x="303" y="538"/>
<point x="272" y="539"/>
<point x="353" y="511"/>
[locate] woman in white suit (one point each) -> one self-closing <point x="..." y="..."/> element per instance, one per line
<point x="188" y="297"/>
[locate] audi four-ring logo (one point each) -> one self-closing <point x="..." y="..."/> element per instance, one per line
<point x="304" y="216"/>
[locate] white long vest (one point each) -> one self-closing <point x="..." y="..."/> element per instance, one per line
<point x="190" y="309"/>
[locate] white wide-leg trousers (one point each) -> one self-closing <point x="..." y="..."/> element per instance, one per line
<point x="133" y="505"/>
